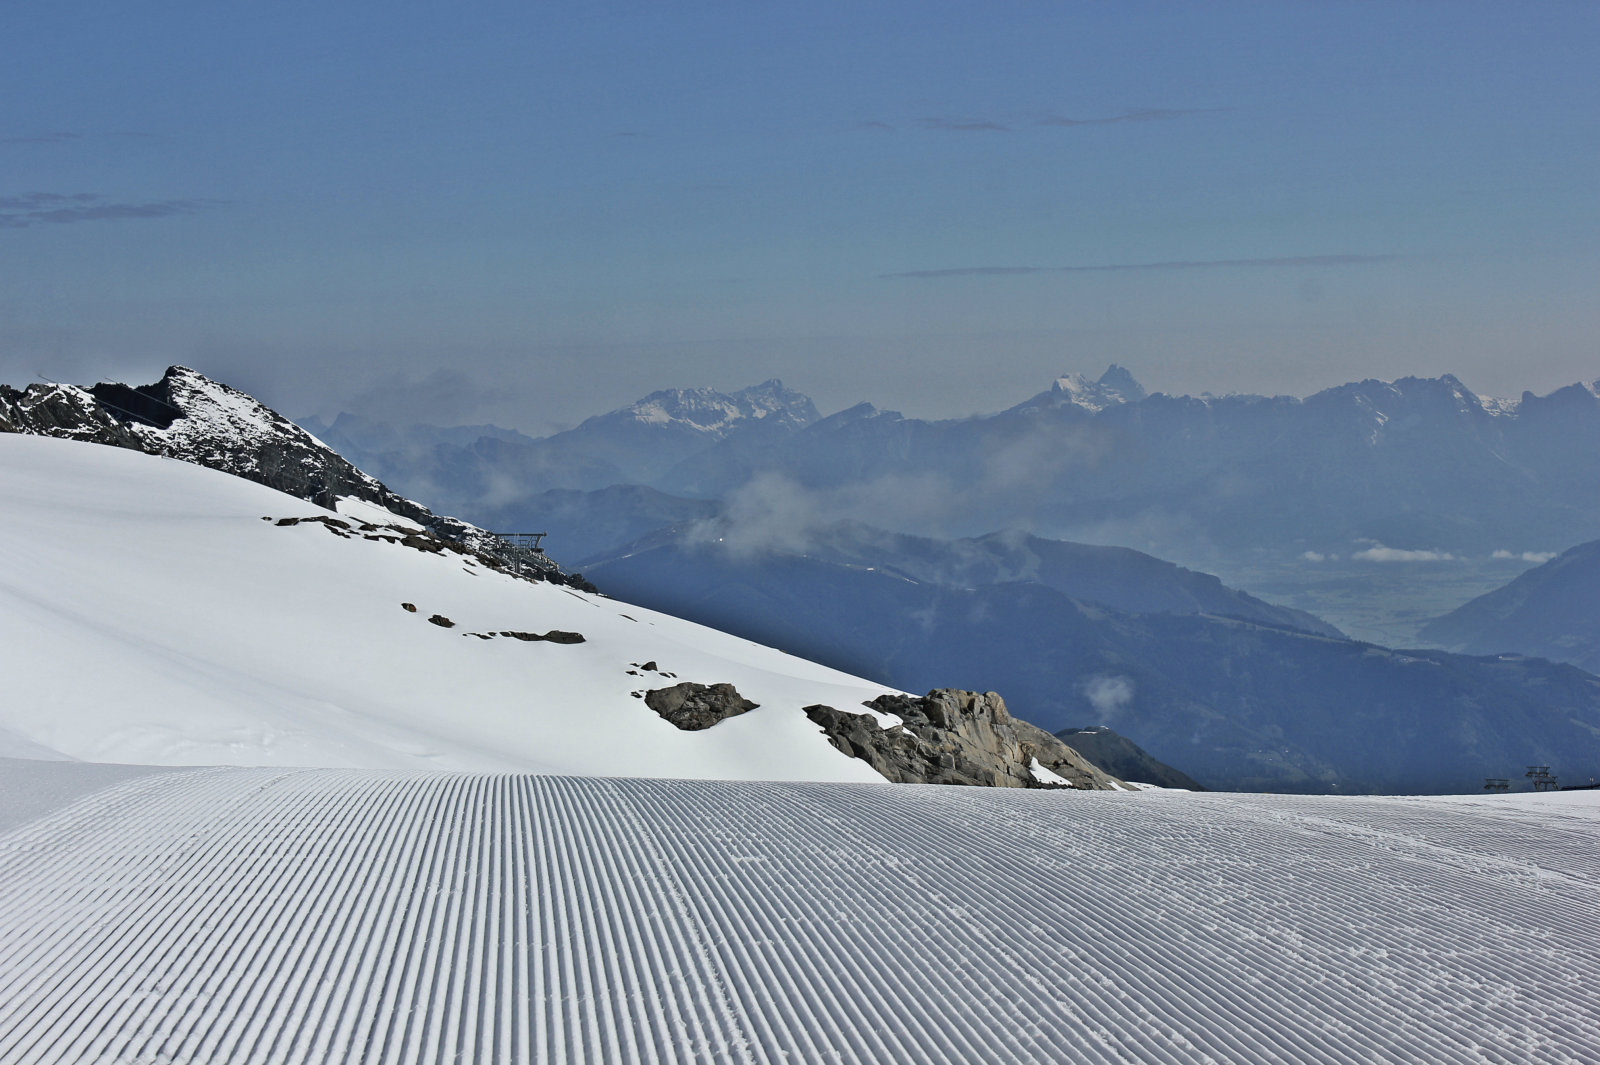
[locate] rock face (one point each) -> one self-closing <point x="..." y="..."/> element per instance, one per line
<point x="188" y="416"/>
<point x="693" y="707"/>
<point x="957" y="737"/>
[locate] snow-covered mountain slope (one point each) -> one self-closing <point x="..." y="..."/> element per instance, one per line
<point x="254" y="915"/>
<point x="148" y="613"/>
<point x="188" y="416"/>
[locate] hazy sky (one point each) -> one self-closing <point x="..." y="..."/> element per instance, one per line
<point x="531" y="212"/>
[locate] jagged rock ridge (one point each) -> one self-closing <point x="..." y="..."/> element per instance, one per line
<point x="958" y="737"/>
<point x="188" y="416"/>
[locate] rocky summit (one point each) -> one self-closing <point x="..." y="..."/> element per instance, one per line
<point x="188" y="416"/>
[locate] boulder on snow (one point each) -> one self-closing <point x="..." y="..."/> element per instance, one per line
<point x="693" y="707"/>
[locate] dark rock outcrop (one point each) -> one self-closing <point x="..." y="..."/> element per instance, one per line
<point x="956" y="737"/>
<point x="189" y="417"/>
<point x="693" y="707"/>
<point x="553" y="636"/>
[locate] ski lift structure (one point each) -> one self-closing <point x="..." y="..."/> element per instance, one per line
<point x="525" y="550"/>
<point x="1543" y="779"/>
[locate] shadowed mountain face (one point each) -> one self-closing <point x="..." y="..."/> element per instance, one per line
<point x="1235" y="704"/>
<point x="1105" y="747"/>
<point x="1119" y="577"/>
<point x="1552" y="611"/>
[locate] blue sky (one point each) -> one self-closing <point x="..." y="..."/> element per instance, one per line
<point x="527" y="213"/>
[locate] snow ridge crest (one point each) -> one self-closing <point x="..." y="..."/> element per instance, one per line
<point x="189" y="417"/>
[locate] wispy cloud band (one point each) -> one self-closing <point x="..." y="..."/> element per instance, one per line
<point x="1172" y="264"/>
<point x="1148" y="114"/>
<point x="43" y="208"/>
<point x="980" y="124"/>
<point x="963" y="125"/>
<point x="56" y="136"/>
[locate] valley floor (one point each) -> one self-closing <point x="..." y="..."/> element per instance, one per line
<point x="254" y="915"/>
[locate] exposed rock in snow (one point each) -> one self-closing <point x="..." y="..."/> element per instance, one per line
<point x="956" y="737"/>
<point x="693" y="707"/>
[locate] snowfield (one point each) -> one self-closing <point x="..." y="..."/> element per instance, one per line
<point x="149" y="615"/>
<point x="267" y="915"/>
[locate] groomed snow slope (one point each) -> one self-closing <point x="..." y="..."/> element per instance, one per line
<point x="258" y="915"/>
<point x="149" y="614"/>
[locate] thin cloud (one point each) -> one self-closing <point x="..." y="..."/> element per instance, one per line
<point x="952" y="124"/>
<point x="1149" y="114"/>
<point x="1525" y="556"/>
<point x="873" y="125"/>
<point x="1380" y="553"/>
<point x="963" y="125"/>
<point x="1172" y="264"/>
<point x="56" y="136"/>
<point x="42" y="208"/>
<point x="974" y="271"/>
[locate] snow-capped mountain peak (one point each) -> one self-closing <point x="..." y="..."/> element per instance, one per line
<point x="714" y="414"/>
<point x="1114" y="387"/>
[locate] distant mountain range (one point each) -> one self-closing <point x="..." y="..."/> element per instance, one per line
<point x="496" y="469"/>
<point x="1414" y="464"/>
<point x="1552" y="611"/>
